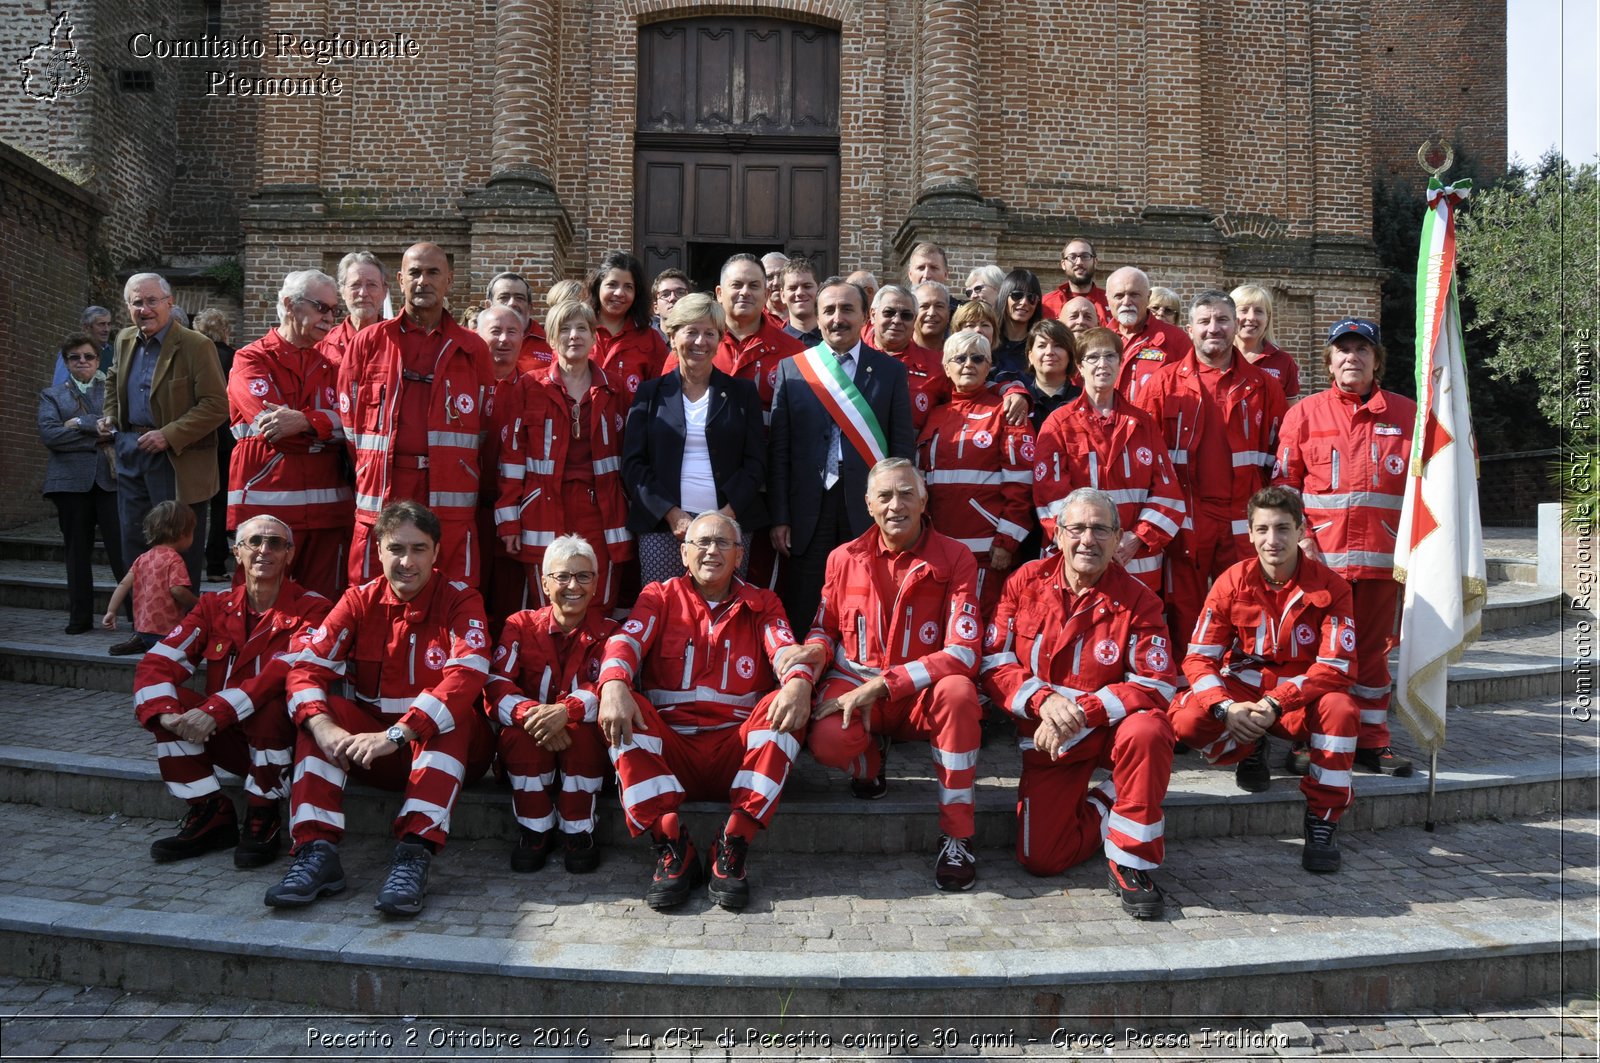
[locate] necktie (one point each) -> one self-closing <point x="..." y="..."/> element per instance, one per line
<point x="835" y="454"/>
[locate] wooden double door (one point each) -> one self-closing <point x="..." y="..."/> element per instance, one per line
<point x="738" y="144"/>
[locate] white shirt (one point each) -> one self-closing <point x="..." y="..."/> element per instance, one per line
<point x="697" y="488"/>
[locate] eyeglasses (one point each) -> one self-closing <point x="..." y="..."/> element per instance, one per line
<point x="1099" y="531"/>
<point x="322" y="308"/>
<point x="1081" y="256"/>
<point x="83" y="357"/>
<point x="893" y="314"/>
<point x="582" y="579"/>
<point x="1099" y="356"/>
<point x="973" y="292"/>
<point x="963" y="359"/>
<point x="140" y="304"/>
<point x="706" y="544"/>
<point x="1020" y="297"/>
<point x="275" y="543"/>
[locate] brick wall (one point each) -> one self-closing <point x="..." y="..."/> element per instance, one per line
<point x="46" y="227"/>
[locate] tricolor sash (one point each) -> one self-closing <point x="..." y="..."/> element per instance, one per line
<point x="839" y="396"/>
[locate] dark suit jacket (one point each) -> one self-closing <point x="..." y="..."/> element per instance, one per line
<point x="801" y="430"/>
<point x="652" y="450"/>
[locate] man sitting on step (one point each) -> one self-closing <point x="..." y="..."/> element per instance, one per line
<point x="240" y="723"/>
<point x="1079" y="653"/>
<point x="1273" y="653"/>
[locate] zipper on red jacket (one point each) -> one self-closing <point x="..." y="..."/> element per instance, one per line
<point x="411" y="662"/>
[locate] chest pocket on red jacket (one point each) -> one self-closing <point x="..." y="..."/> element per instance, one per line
<point x="853" y="637"/>
<point x="218" y="654"/>
<point x="674" y="661"/>
<point x="364" y="666"/>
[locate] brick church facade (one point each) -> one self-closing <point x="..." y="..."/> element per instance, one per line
<point x="1210" y="143"/>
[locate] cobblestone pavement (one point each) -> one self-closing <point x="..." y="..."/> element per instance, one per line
<point x="41" y="1020"/>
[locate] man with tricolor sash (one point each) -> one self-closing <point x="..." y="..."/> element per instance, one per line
<point x="837" y="409"/>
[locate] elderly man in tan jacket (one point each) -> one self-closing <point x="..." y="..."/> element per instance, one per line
<point x="165" y="399"/>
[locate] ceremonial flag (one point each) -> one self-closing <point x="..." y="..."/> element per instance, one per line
<point x="1439" y="552"/>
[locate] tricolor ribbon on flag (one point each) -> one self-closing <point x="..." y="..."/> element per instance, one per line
<point x="1439" y="550"/>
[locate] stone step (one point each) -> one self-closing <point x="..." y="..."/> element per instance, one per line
<point x="1472" y="913"/>
<point x="42" y="585"/>
<point x="41" y="542"/>
<point x="1513" y="569"/>
<point x="1502" y="760"/>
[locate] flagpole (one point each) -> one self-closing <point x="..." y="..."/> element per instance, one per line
<point x="1433" y="779"/>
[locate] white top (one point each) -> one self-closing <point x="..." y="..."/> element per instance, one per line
<point x="697" y="489"/>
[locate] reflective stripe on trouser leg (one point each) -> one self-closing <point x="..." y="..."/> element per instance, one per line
<point x="647" y="785"/>
<point x="1376" y="603"/>
<point x="1141" y="764"/>
<point x="584" y="766"/>
<point x="531" y="770"/>
<point x="950" y="713"/>
<point x="764" y="766"/>
<point x="1329" y="727"/>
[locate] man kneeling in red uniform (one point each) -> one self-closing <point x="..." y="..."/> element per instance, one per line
<point x="1273" y="653"/>
<point x="1078" y="652"/>
<point x="412" y="650"/>
<point x="709" y="652"/>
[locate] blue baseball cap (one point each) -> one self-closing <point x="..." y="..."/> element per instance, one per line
<point x="1356" y="326"/>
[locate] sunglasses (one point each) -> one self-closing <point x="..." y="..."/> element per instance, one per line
<point x="892" y="314"/>
<point x="963" y="359"/>
<point x="275" y="543"/>
<point x="1020" y="297"/>
<point x="322" y="308"/>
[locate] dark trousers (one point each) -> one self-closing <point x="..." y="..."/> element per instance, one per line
<point x="217" y="551"/>
<point x="79" y="513"/>
<point x="138" y="495"/>
<point x="804" y="573"/>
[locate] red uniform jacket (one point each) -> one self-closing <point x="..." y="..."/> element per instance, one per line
<point x="631" y="357"/>
<point x="1349" y="460"/>
<point x="535" y="353"/>
<point x="979" y="472"/>
<point x="502" y="407"/>
<point x="244" y="671"/>
<point x="1296" y="656"/>
<point x="1146" y="351"/>
<point x="1251" y="415"/>
<point x="1063" y="294"/>
<point x="1127" y="459"/>
<point x="369" y="400"/>
<point x="534" y="460"/>
<point x="337" y="342"/>
<point x="1107" y="648"/>
<point x="1280" y="365"/>
<point x="420" y="663"/>
<point x="929" y="631"/>
<point x="755" y="357"/>
<point x="537" y="663"/>
<point x="702" y="670"/>
<point x="296" y="479"/>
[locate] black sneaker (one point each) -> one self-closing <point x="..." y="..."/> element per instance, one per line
<point x="206" y="827"/>
<point x="316" y="872"/>
<point x="261" y="838"/>
<point x="956" y="868"/>
<point x="1383" y="762"/>
<point x="875" y="787"/>
<point x="728" y="885"/>
<point x="580" y="852"/>
<point x="1252" y="774"/>
<point x="1298" y="760"/>
<point x="407" y="882"/>
<point x="1141" y="897"/>
<point x="678" y="872"/>
<point x="1321" y="853"/>
<point x="532" y="849"/>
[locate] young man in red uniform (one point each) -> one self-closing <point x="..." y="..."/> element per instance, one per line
<point x="288" y="434"/>
<point x="240" y="722"/>
<point x="1078" y="653"/>
<point x="1274" y="653"/>
<point x="1219" y="416"/>
<point x="1077" y="262"/>
<point x="899" y="632"/>
<point x="411" y="392"/>
<point x="541" y="694"/>
<point x="719" y="712"/>
<point x="413" y="650"/>
<point x="1148" y="343"/>
<point x="1347" y="451"/>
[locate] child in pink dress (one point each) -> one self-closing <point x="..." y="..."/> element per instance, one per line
<point x="158" y="580"/>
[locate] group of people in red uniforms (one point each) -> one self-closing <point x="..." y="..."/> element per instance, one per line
<point x="705" y="549"/>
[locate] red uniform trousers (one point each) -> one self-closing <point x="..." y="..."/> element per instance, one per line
<point x="260" y="748"/>
<point x="1061" y="822"/>
<point x="584" y="519"/>
<point x="1327" y="725"/>
<point x="505" y="579"/>
<point x="744" y="764"/>
<point x="1216" y="542"/>
<point x="531" y="768"/>
<point x="1377" y="606"/>
<point x="458" y="560"/>
<point x="946" y="715"/>
<point x="430" y="771"/>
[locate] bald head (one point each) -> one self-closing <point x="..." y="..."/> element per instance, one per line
<point x="425" y="279"/>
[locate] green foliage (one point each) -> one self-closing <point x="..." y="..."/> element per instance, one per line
<point x="1528" y="250"/>
<point x="1505" y="405"/>
<point x="229" y="275"/>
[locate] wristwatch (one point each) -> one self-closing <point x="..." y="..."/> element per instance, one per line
<point x="1219" y="711"/>
<point x="397" y="736"/>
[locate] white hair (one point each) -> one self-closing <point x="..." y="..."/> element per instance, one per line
<point x="298" y="285"/>
<point x="566" y="547"/>
<point x="358" y="258"/>
<point x="142" y="278"/>
<point x="288" y="532"/>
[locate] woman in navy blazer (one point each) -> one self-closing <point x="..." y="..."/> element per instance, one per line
<point x="694" y="441"/>
<point x="80" y="479"/>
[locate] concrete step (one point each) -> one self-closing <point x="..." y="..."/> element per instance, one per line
<point x="1472" y="913"/>
<point x="1503" y="760"/>
<point x="41" y="542"/>
<point x="42" y="585"/>
<point x="1513" y="568"/>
